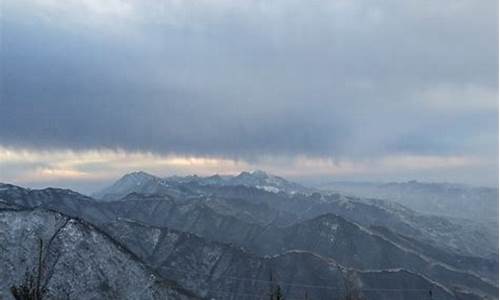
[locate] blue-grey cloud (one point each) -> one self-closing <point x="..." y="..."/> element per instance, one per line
<point x="329" y="79"/>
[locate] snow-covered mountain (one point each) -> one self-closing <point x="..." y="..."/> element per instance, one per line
<point x="141" y="182"/>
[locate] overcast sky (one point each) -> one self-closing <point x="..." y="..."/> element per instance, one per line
<point x="311" y="90"/>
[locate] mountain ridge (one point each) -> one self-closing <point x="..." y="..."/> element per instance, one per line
<point x="257" y="178"/>
<point x="264" y="222"/>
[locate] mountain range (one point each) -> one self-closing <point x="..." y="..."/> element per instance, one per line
<point x="233" y="237"/>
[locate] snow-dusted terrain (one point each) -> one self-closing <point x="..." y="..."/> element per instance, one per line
<point x="228" y="237"/>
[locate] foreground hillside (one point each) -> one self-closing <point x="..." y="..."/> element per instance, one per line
<point x="65" y="258"/>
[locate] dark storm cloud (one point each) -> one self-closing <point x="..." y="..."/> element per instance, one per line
<point x="334" y="79"/>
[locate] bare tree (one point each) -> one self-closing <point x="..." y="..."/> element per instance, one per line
<point x="29" y="288"/>
<point x="352" y="291"/>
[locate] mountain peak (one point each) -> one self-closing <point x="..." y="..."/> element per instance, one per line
<point x="259" y="173"/>
<point x="127" y="183"/>
<point x="254" y="173"/>
<point x="138" y="174"/>
<point x="136" y="177"/>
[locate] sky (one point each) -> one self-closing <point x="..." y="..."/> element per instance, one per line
<point x="378" y="90"/>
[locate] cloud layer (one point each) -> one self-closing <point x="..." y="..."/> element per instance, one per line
<point x="330" y="80"/>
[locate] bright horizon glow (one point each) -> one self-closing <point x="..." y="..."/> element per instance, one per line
<point x="68" y="168"/>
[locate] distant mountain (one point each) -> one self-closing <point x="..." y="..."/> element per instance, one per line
<point x="141" y="182"/>
<point x="455" y="200"/>
<point x="70" y="259"/>
<point x="257" y="179"/>
<point x="466" y="237"/>
<point x="269" y="183"/>
<point x="461" y="236"/>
